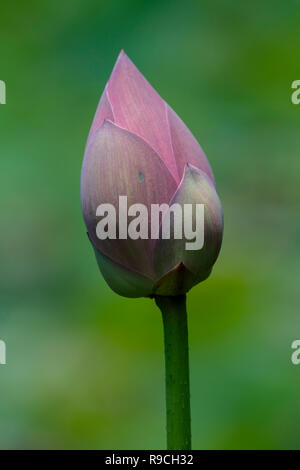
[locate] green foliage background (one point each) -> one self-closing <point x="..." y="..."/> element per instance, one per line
<point x="85" y="367"/>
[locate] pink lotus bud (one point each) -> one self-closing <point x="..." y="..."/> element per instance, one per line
<point x="139" y="148"/>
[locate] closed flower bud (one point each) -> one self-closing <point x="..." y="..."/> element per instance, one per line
<point x="140" y="160"/>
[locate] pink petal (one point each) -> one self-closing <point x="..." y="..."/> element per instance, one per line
<point x="138" y="108"/>
<point x="185" y="147"/>
<point x="104" y="112"/>
<point x="195" y="188"/>
<point x="114" y="162"/>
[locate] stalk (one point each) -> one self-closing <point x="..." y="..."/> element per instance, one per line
<point x="174" y="315"/>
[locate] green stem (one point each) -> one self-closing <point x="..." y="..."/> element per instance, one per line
<point x="177" y="371"/>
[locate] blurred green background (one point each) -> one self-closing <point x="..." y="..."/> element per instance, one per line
<point x="85" y="368"/>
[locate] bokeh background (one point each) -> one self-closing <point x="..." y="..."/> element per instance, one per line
<point x="85" y="368"/>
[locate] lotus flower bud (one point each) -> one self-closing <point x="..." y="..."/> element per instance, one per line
<point x="139" y="156"/>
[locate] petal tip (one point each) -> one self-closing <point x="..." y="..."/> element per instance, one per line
<point x="122" y="54"/>
<point x="107" y="123"/>
<point x="190" y="169"/>
<point x="121" y="59"/>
